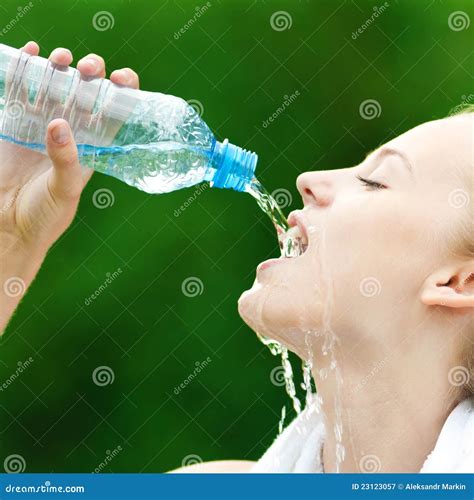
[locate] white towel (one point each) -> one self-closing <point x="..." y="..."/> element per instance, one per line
<point x="299" y="447"/>
<point x="454" y="450"/>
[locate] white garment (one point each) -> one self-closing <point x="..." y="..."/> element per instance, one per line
<point x="299" y="447"/>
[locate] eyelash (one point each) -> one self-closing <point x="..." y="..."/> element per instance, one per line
<point x="371" y="184"/>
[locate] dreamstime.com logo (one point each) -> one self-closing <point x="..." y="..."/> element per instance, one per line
<point x="103" y="21"/>
<point x="109" y="279"/>
<point x="288" y="100"/>
<point x="21" y="12"/>
<point x="466" y="100"/>
<point x="103" y="198"/>
<point x="377" y="11"/>
<point x="459" y="20"/>
<point x="370" y="464"/>
<point x="14" y="464"/>
<point x="197" y="192"/>
<point x="370" y="287"/>
<point x="370" y="109"/>
<point x="283" y="197"/>
<point x="199" y="367"/>
<point x="109" y="456"/>
<point x="197" y="106"/>
<point x="14" y="287"/>
<point x="277" y="376"/>
<point x="281" y="20"/>
<point x="103" y="375"/>
<point x="200" y="11"/>
<point x="21" y="367"/>
<point x="192" y="287"/>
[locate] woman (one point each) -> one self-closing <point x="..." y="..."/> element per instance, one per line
<point x="380" y="303"/>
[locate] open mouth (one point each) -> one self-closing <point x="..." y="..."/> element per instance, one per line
<point x="293" y="242"/>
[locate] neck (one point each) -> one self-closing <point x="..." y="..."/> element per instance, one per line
<point x="390" y="411"/>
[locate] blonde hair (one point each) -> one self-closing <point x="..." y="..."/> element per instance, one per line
<point x="465" y="247"/>
<point x="465" y="244"/>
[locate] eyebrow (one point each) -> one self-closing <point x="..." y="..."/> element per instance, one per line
<point x="387" y="151"/>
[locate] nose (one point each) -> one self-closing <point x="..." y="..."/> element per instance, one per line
<point x="315" y="188"/>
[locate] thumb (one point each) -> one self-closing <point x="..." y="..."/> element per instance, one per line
<point x="65" y="178"/>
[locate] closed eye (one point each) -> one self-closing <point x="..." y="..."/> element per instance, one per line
<point x="371" y="184"/>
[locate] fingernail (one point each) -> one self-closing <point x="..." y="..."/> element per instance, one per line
<point x="58" y="51"/>
<point x="124" y="76"/>
<point x="60" y="134"/>
<point x="92" y="62"/>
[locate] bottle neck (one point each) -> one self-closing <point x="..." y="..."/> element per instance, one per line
<point x="235" y="167"/>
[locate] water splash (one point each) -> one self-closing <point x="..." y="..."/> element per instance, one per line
<point x="291" y="248"/>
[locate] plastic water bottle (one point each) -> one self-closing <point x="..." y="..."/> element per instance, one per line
<point x="155" y="142"/>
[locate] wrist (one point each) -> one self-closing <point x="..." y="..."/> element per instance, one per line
<point x="18" y="267"/>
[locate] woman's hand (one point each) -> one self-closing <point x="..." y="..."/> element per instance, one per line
<point x="39" y="194"/>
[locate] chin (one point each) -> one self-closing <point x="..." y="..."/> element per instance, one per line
<point x="278" y="314"/>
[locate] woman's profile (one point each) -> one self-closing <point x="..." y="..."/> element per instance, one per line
<point x="380" y="304"/>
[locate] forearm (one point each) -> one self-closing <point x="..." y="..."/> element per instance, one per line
<point x="18" y="267"/>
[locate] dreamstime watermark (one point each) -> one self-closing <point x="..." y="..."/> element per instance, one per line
<point x="283" y="197"/>
<point x="109" y="279"/>
<point x="277" y="376"/>
<point x="109" y="456"/>
<point x="21" y="12"/>
<point x="103" y="198"/>
<point x="14" y="464"/>
<point x="9" y="204"/>
<point x="372" y="373"/>
<point x="191" y="459"/>
<point x="287" y="101"/>
<point x="103" y="375"/>
<point x="199" y="367"/>
<point x="459" y="20"/>
<point x="459" y="376"/>
<point x="103" y="20"/>
<point x="21" y="367"/>
<point x="370" y="287"/>
<point x="466" y="100"/>
<point x="197" y="106"/>
<point x="458" y="198"/>
<point x="377" y="11"/>
<point x="199" y="11"/>
<point x="192" y="287"/>
<point x="14" y="110"/>
<point x="370" y="464"/>
<point x="14" y="287"/>
<point x="370" y="109"/>
<point x="281" y="20"/>
<point x="191" y="199"/>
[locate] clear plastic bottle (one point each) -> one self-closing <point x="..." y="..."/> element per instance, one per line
<point x="152" y="141"/>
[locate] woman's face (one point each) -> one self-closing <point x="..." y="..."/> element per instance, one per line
<point x="372" y="244"/>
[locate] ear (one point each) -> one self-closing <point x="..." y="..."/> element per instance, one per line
<point x="452" y="286"/>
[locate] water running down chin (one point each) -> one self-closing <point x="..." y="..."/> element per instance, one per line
<point x="293" y="240"/>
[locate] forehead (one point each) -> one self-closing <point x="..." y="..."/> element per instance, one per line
<point x="442" y="148"/>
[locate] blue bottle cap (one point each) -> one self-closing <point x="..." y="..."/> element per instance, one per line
<point x="235" y="167"/>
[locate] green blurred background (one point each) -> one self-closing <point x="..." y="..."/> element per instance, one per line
<point x="415" y="60"/>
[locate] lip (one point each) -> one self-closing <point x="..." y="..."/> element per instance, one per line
<point x="296" y="219"/>
<point x="269" y="263"/>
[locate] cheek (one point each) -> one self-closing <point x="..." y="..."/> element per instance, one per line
<point x="377" y="254"/>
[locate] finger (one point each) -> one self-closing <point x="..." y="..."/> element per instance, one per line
<point x="31" y="48"/>
<point x="61" y="57"/>
<point x="92" y="65"/>
<point x="126" y="77"/>
<point x="65" y="178"/>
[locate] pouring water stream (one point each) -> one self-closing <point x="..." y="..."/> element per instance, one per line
<point x="292" y="248"/>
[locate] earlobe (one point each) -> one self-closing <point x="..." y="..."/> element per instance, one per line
<point x="450" y="289"/>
